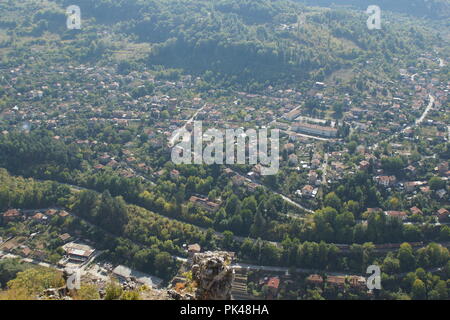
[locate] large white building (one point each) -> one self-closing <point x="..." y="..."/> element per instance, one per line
<point x="77" y="252"/>
<point x="314" y="129"/>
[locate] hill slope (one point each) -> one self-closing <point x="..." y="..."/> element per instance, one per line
<point x="243" y="43"/>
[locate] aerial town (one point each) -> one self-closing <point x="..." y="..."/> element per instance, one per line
<point x="92" y="206"/>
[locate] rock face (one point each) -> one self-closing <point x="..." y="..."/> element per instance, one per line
<point x="213" y="274"/>
<point x="175" y="295"/>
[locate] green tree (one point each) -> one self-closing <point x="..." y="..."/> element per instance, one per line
<point x="130" y="295"/>
<point x="406" y="257"/>
<point x="9" y="268"/>
<point x="333" y="201"/>
<point x="88" y="292"/>
<point x="112" y="213"/>
<point x="418" y="291"/>
<point x="35" y="280"/>
<point x="113" y="290"/>
<point x="163" y="262"/>
<point x="228" y="239"/>
<point x="436" y="183"/>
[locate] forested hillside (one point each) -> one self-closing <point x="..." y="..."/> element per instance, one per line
<point x="429" y="8"/>
<point x="247" y="43"/>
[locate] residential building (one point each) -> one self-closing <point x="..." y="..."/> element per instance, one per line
<point x="314" y="129"/>
<point x="205" y="204"/>
<point x="397" y="214"/>
<point x="78" y="253"/>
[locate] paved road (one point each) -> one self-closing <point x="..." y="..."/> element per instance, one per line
<point x="417" y="122"/>
<point x="29" y="260"/>
<point x="240" y="266"/>
<point x="427" y="109"/>
<point x="280" y="269"/>
<point x="325" y="169"/>
<point x="78" y="188"/>
<point x="285" y="198"/>
<point x="293" y="133"/>
<point x="182" y="259"/>
<point x="236" y="266"/>
<point x="177" y="133"/>
<point x="292" y="202"/>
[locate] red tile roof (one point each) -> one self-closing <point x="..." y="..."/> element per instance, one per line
<point x="274" y="283"/>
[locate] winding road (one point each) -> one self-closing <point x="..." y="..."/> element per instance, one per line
<point x="425" y="113"/>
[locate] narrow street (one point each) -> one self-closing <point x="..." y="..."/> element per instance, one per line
<point x="427" y="109"/>
<point x="416" y="123"/>
<point x="178" y="132"/>
<point x="325" y="169"/>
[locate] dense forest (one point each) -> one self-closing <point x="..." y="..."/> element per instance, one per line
<point x="248" y="44"/>
<point x="429" y="8"/>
